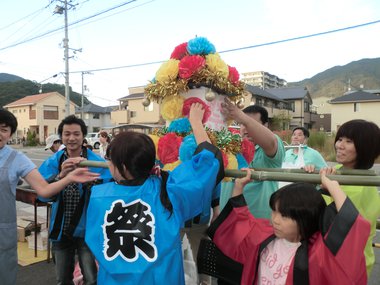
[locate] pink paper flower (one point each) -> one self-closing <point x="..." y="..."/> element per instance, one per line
<point x="233" y="75"/>
<point x="187" y="104"/>
<point x="189" y="65"/>
<point x="179" y="51"/>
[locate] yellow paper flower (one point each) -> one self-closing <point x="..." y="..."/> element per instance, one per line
<point x="171" y="107"/>
<point x="171" y="166"/>
<point x="168" y="71"/>
<point x="216" y="64"/>
<point x="232" y="161"/>
<point x="155" y="139"/>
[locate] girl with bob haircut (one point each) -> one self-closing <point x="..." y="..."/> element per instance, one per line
<point x="357" y="145"/>
<point x="134" y="222"/>
<point x="306" y="242"/>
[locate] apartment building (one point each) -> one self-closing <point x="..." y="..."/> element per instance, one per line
<point x="263" y="79"/>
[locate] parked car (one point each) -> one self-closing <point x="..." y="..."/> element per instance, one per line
<point x="93" y="140"/>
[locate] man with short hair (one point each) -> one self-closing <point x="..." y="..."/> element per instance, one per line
<point x="269" y="153"/>
<point x="298" y="157"/>
<point x="54" y="143"/>
<point x="67" y="227"/>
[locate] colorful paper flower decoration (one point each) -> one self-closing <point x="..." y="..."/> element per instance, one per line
<point x="195" y="64"/>
<point x="195" y="73"/>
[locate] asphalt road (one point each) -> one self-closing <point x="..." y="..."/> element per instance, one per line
<point x="38" y="155"/>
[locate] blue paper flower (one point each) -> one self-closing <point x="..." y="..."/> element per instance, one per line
<point x="181" y="126"/>
<point x="200" y="46"/>
<point x="242" y="163"/>
<point x="187" y="148"/>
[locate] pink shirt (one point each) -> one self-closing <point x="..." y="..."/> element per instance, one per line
<point x="275" y="261"/>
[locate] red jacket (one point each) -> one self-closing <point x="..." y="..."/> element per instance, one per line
<point x="334" y="256"/>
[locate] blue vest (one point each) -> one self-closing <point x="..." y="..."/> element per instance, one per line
<point x="49" y="170"/>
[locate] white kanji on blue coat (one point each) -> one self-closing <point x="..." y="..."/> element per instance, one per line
<point x="128" y="231"/>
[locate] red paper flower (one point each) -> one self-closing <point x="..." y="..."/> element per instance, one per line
<point x="189" y="65"/>
<point x="187" y="104"/>
<point x="247" y="150"/>
<point x="168" y="148"/>
<point x="179" y="51"/>
<point x="225" y="159"/>
<point x="233" y="75"/>
<point x="234" y="130"/>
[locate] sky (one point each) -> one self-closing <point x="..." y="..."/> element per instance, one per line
<point x="119" y="40"/>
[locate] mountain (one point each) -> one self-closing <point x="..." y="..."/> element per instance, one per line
<point x="16" y="89"/>
<point x="333" y="82"/>
<point x="6" y="77"/>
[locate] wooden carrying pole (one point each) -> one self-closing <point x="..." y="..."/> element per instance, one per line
<point x="367" y="178"/>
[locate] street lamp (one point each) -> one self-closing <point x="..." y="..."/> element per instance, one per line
<point x="40" y="83"/>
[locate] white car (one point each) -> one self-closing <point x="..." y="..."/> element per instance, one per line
<point x="93" y="140"/>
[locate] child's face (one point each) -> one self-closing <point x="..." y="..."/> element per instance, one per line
<point x="5" y="135"/>
<point x="285" y="227"/>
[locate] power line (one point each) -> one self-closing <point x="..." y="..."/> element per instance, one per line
<point x="71" y="24"/>
<point x="304" y="37"/>
<point x="23" y="18"/>
<point x="241" y="48"/>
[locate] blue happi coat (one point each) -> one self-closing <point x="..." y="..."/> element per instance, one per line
<point x="133" y="237"/>
<point x="49" y="170"/>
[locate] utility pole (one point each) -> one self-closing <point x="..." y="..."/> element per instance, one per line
<point x="66" y="47"/>
<point x="63" y="10"/>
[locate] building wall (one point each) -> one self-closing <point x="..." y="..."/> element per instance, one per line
<point x="343" y="112"/>
<point x="95" y="124"/>
<point x="120" y="117"/>
<point x="323" y="123"/>
<point x="322" y="105"/>
<point x="141" y="114"/>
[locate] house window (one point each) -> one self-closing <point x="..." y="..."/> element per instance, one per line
<point x="50" y="112"/>
<point x="306" y="106"/>
<point x="96" y="116"/>
<point x="133" y="114"/>
<point x="149" y="108"/>
<point x="356" y="107"/>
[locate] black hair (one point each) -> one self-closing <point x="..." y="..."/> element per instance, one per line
<point x="136" y="152"/>
<point x="254" y="109"/>
<point x="304" y="131"/>
<point x="302" y="203"/>
<point x="366" y="138"/>
<point x="72" y="120"/>
<point x="8" y="119"/>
